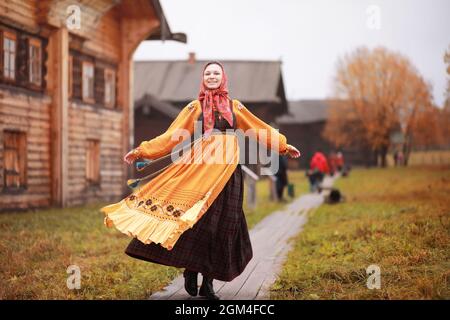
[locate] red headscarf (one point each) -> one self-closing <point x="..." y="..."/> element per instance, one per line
<point x="215" y="99"/>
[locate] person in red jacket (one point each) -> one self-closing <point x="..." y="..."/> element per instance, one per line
<point x="318" y="167"/>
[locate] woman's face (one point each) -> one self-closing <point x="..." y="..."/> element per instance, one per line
<point x="212" y="76"/>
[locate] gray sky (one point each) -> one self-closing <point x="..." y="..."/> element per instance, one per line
<point x="308" y="36"/>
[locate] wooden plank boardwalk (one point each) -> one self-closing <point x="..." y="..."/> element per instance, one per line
<point x="270" y="242"/>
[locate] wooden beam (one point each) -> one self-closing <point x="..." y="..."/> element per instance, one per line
<point x="58" y="86"/>
<point x="134" y="30"/>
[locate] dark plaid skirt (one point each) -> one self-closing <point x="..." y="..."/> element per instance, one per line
<point x="218" y="245"/>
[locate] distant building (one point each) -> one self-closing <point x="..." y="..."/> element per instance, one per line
<point x="304" y="125"/>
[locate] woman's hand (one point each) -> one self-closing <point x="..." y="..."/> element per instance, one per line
<point x="130" y="156"/>
<point x="293" y="152"/>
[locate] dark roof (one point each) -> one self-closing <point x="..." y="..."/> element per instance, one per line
<point x="306" y="111"/>
<point x="178" y="81"/>
<point x="163" y="31"/>
<point x="163" y="107"/>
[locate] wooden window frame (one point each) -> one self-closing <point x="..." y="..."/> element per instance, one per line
<point x="93" y="162"/>
<point x="11" y="36"/>
<point x="83" y="82"/>
<point x="32" y="42"/>
<point x="21" y="149"/>
<point x="112" y="73"/>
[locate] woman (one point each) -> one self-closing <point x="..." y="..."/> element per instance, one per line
<point x="190" y="216"/>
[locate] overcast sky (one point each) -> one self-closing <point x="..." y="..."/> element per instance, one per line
<point x="308" y="36"/>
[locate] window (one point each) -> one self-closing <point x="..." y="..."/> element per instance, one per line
<point x="110" y="88"/>
<point x="35" y="61"/>
<point x="9" y="55"/>
<point x="70" y="76"/>
<point x="88" y="82"/>
<point x="14" y="161"/>
<point x="93" y="162"/>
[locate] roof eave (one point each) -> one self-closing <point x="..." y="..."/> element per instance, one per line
<point x="163" y="32"/>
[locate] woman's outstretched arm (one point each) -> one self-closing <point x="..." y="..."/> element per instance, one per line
<point x="164" y="143"/>
<point x="261" y="131"/>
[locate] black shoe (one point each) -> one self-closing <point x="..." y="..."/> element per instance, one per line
<point x="190" y="282"/>
<point x="207" y="290"/>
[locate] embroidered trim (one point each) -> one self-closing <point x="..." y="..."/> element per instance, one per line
<point x="150" y="228"/>
<point x="136" y="152"/>
<point x="192" y="105"/>
<point x="184" y="195"/>
<point x="152" y="207"/>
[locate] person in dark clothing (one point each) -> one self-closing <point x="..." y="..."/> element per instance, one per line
<point x="282" y="178"/>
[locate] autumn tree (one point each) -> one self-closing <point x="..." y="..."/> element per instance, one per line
<point x="445" y="114"/>
<point x="383" y="94"/>
<point x="447" y="92"/>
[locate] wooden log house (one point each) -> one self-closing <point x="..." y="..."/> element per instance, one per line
<point x="66" y="116"/>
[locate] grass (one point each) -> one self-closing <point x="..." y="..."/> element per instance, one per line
<point x="428" y="157"/>
<point x="396" y="218"/>
<point x="36" y="248"/>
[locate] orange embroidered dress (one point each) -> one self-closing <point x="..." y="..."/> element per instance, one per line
<point x="161" y="210"/>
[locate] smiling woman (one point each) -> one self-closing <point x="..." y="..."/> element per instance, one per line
<point x="213" y="75"/>
<point x="191" y="215"/>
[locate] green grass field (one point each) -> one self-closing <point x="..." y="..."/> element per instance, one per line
<point x="396" y="218"/>
<point x="425" y="158"/>
<point x="37" y="247"/>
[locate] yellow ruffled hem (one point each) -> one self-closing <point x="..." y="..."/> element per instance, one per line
<point x="148" y="228"/>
